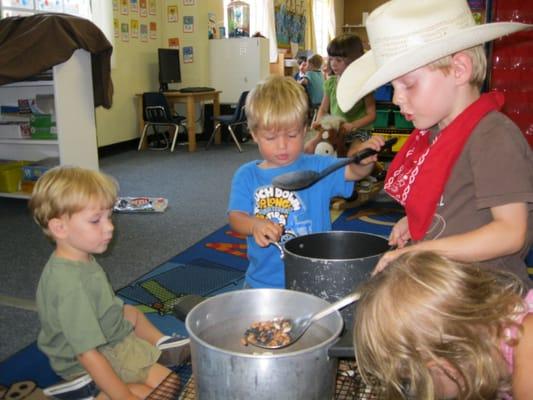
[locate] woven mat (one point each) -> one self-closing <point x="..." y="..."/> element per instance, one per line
<point x="349" y="385"/>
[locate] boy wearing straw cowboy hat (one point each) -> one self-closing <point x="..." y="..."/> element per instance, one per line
<point x="465" y="175"/>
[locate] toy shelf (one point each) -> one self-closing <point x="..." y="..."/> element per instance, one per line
<point x="72" y="91"/>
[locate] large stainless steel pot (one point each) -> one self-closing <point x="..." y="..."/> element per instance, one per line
<point x="332" y="264"/>
<point x="225" y="369"/>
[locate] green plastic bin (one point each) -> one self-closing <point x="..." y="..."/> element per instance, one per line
<point x="400" y="122"/>
<point x="382" y="119"/>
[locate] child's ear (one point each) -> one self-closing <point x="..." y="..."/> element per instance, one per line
<point x="462" y="68"/>
<point x="57" y="227"/>
<point x="445" y="367"/>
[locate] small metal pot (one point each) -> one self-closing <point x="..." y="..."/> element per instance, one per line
<point x="331" y="264"/>
<point x="226" y="369"/>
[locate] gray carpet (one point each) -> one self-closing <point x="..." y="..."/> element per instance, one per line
<point x="197" y="187"/>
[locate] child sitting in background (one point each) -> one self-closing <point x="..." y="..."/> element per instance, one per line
<point x="342" y="51"/>
<point x="313" y="80"/>
<point x="430" y="328"/>
<point x="302" y="68"/>
<point x="277" y="118"/>
<point x="85" y="327"/>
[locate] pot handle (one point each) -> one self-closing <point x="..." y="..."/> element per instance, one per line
<point x="280" y="248"/>
<point x="287" y="235"/>
<point x="343" y="347"/>
<point x="185" y="304"/>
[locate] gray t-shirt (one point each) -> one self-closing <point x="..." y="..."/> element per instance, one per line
<point x="494" y="168"/>
<point x="79" y="311"/>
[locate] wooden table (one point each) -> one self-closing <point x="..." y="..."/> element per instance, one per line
<point x="190" y="99"/>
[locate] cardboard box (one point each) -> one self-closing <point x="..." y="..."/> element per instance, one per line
<point x="49" y="133"/>
<point x="15" y="130"/>
<point x="41" y="121"/>
<point x="33" y="171"/>
<point x="7" y="109"/>
<point x="27" y="186"/>
<point x="11" y="114"/>
<point x="25" y="105"/>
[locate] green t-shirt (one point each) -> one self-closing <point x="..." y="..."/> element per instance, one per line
<point x="358" y="111"/>
<point x="79" y="311"/>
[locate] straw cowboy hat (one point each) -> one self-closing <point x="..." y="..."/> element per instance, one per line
<point x="407" y="34"/>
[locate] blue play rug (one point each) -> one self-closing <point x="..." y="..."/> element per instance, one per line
<point x="214" y="265"/>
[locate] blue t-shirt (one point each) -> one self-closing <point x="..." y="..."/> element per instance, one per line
<point x="301" y="212"/>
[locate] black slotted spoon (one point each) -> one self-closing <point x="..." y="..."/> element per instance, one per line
<point x="298" y="180"/>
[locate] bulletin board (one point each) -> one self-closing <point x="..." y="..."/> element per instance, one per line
<point x="290" y="17"/>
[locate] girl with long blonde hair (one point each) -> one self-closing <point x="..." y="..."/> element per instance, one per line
<point x="431" y="328"/>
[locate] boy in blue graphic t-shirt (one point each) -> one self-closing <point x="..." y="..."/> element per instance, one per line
<point x="277" y="117"/>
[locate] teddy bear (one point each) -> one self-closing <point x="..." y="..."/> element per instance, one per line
<point x="333" y="141"/>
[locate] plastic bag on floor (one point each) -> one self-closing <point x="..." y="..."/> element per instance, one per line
<point x="141" y="204"/>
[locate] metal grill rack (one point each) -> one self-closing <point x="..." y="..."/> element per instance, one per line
<point x="350" y="385"/>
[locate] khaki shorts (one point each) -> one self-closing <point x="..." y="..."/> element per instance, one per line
<point x="131" y="358"/>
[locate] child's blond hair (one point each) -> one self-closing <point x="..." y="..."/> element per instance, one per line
<point x="315" y="62"/>
<point x="479" y="64"/>
<point x="66" y="190"/>
<point x="276" y="102"/>
<point x="425" y="308"/>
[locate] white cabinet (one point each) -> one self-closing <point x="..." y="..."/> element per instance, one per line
<point x="72" y="89"/>
<point x="236" y="65"/>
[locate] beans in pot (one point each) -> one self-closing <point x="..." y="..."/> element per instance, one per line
<point x="270" y="333"/>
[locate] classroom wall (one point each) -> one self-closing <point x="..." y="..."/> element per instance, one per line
<point x="339" y="6"/>
<point x="353" y="15"/>
<point x="135" y="69"/>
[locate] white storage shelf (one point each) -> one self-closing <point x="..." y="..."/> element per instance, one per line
<point x="74" y="112"/>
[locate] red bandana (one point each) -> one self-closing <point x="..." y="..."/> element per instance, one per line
<point x="419" y="172"/>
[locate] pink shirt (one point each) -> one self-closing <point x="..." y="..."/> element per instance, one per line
<point x="507" y="350"/>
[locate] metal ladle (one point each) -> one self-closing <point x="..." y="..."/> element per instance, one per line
<point x="298" y="180"/>
<point x="301" y="324"/>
